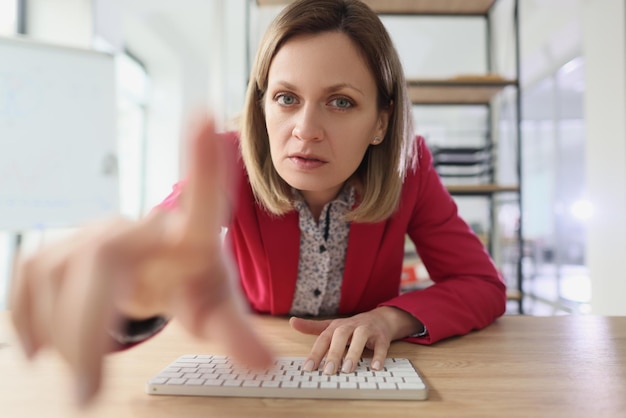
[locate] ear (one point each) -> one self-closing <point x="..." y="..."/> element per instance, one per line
<point x="383" y="121"/>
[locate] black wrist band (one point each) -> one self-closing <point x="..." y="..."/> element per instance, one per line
<point x="133" y="331"/>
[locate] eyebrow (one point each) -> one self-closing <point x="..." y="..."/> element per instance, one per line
<point x="329" y="89"/>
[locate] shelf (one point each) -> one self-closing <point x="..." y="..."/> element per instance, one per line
<point x="480" y="189"/>
<point x="477" y="90"/>
<point x="514" y="294"/>
<point x="417" y="7"/>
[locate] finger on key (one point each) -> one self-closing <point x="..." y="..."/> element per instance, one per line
<point x="381" y="348"/>
<point x="337" y="349"/>
<point x="355" y="351"/>
<point x="313" y="327"/>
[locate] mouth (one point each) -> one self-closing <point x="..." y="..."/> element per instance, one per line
<point x="306" y="160"/>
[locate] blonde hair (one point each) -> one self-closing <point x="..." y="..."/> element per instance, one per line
<point x="381" y="173"/>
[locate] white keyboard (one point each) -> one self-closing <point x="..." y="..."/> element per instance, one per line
<point x="205" y="375"/>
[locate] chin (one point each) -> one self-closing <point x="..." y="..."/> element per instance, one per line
<point x="304" y="185"/>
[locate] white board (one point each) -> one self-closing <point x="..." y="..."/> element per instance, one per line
<point x="58" y="165"/>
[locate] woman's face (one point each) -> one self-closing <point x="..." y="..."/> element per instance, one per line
<point x="321" y="113"/>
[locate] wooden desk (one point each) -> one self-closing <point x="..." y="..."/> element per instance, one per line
<point x="567" y="366"/>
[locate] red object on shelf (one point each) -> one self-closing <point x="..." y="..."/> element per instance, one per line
<point x="409" y="274"/>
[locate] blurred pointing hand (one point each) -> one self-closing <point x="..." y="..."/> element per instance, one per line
<point x="65" y="296"/>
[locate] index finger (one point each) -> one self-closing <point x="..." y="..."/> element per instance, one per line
<point x="207" y="193"/>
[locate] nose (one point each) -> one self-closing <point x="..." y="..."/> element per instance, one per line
<point x="308" y="124"/>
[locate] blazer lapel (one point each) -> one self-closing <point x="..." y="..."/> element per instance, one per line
<point x="363" y="245"/>
<point x="281" y="240"/>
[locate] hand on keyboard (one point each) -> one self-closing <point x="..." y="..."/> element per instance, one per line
<point x="374" y="330"/>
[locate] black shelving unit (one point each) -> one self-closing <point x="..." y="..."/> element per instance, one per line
<point x="477" y="163"/>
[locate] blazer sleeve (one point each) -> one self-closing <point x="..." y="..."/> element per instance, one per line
<point x="468" y="292"/>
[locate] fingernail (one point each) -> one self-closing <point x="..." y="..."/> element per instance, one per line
<point x="376" y="365"/>
<point x="329" y="368"/>
<point x="308" y="366"/>
<point x="347" y="366"/>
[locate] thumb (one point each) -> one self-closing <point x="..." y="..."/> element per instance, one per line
<point x="309" y="326"/>
<point x="232" y="328"/>
<point x="211" y="307"/>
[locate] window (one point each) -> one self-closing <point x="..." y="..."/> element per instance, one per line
<point x="133" y="88"/>
<point x="555" y="208"/>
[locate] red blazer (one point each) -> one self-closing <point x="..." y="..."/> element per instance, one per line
<point x="468" y="292"/>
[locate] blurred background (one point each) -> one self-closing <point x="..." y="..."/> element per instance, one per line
<point x="175" y="59"/>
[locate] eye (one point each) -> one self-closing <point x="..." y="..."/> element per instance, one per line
<point x="342" y="103"/>
<point x="285" y="99"/>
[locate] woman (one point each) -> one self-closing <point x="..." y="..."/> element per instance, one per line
<point x="329" y="182"/>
